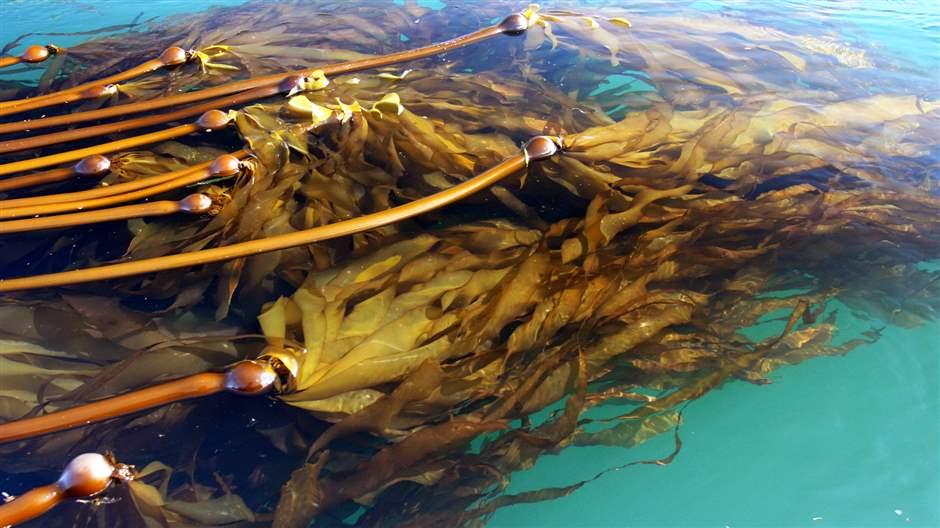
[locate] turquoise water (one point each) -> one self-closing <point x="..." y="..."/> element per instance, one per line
<point x="847" y="441"/>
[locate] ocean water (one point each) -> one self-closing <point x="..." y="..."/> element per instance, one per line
<point x="844" y="441"/>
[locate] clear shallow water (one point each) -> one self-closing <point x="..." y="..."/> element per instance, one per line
<point x="844" y="441"/>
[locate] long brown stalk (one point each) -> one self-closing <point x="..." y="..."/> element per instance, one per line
<point x="183" y="180"/>
<point x="512" y="25"/>
<point x="91" y="166"/>
<point x="38" y="178"/>
<point x="9" y="61"/>
<point x="76" y="134"/>
<point x="250" y="377"/>
<point x="170" y="57"/>
<point x="31" y="504"/>
<point x="538" y="148"/>
<point x="85" y="477"/>
<point x="194" y="203"/>
<point x="95" y="92"/>
<point x="210" y="121"/>
<point x="119" y="188"/>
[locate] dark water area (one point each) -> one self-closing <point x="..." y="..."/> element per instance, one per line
<point x="716" y="307"/>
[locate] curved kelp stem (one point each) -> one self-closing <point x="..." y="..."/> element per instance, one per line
<point x="99" y="88"/>
<point x="85" y="477"/>
<point x="194" y="203"/>
<point x="538" y="148"/>
<point x="32" y="55"/>
<point x="210" y="121"/>
<point x="248" y="377"/>
<point x="222" y="166"/>
<point x="96" y="165"/>
<point x="269" y="85"/>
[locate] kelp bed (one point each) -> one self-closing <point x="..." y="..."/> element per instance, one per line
<point x="691" y="179"/>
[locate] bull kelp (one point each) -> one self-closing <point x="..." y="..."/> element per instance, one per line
<point x="427" y="247"/>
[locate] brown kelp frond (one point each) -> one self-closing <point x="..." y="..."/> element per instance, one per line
<point x="154" y="503"/>
<point x="210" y="121"/>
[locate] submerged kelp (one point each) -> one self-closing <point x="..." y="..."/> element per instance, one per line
<point x="700" y="190"/>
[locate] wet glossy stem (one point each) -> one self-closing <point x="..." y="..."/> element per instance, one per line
<point x="160" y="208"/>
<point x="289" y="240"/>
<point x="9" y="61"/>
<point x="113" y="190"/>
<point x="74" y="93"/>
<point x="48" y="100"/>
<point x="187" y="178"/>
<point x="271" y="82"/>
<point x="31" y="504"/>
<point x="248" y="378"/>
<point x="182" y="389"/>
<point x="39" y="178"/>
<point x="415" y="54"/>
<point x="105" y="148"/>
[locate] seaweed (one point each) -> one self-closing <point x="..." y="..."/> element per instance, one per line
<point x="438" y="307"/>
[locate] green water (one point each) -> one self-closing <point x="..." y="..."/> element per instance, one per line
<point x="847" y="441"/>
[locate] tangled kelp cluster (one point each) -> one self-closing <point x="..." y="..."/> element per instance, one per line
<point x="701" y="187"/>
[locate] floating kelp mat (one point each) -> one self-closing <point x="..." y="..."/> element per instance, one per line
<point x="711" y="175"/>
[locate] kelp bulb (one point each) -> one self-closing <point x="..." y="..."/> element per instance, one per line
<point x="174" y="56"/>
<point x="100" y="91"/>
<point x="250" y="377"/>
<point x="86" y="475"/>
<point x="214" y="120"/>
<point x="225" y="165"/>
<point x="35" y="54"/>
<point x="93" y="165"/>
<point x="541" y="147"/>
<point x="196" y="203"/>
<point x="514" y="24"/>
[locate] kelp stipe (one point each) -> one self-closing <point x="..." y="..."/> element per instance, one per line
<point x="211" y="121"/>
<point x="538" y="148"/>
<point x="248" y="378"/>
<point x="105" y="87"/>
